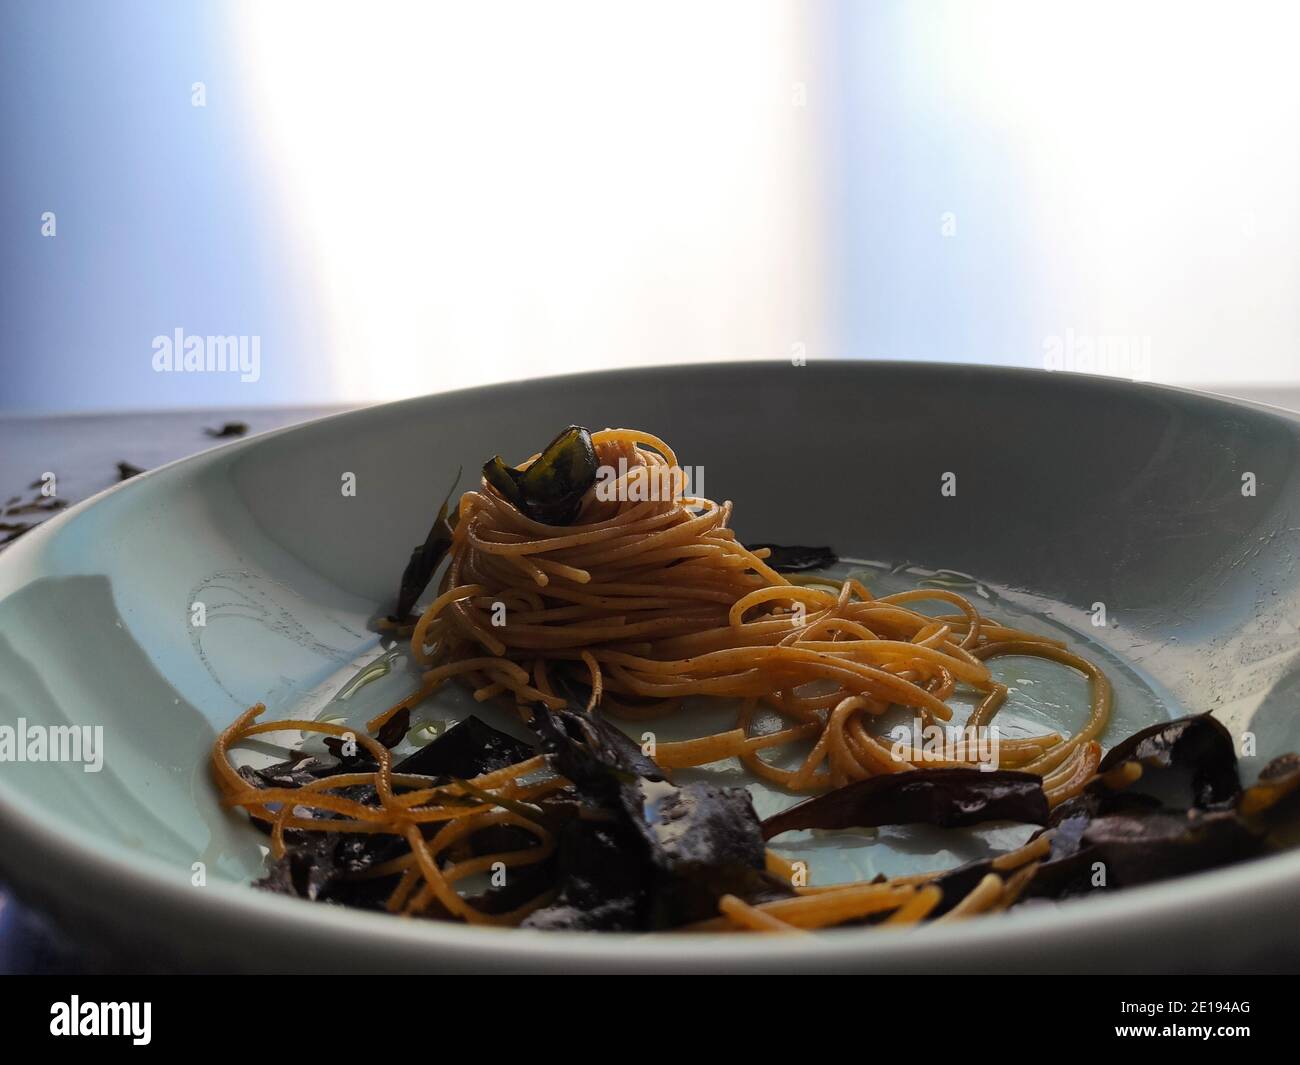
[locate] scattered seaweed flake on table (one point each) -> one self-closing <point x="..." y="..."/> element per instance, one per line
<point x="40" y="506"/>
<point x="13" y="529"/>
<point x="227" y="430"/>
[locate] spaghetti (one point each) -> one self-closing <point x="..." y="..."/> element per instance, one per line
<point x="646" y="599"/>
<point x="652" y="600"/>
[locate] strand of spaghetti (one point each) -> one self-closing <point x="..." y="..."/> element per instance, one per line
<point x="981" y="897"/>
<point x="1038" y="847"/>
<point x="1099" y="711"/>
<point x="402" y="892"/>
<point x="781" y="593"/>
<point x="484" y="782"/>
<point x="972" y="615"/>
<point x="1083" y="771"/>
<point x="751" y="917"/>
<point x="900" y="650"/>
<point x="779" y="867"/>
<point x="244" y="727"/>
<point x="464" y="591"/>
<point x="409" y="703"/>
<point x="597" y="686"/>
<point x="871" y="751"/>
<point x="819" y="911"/>
<point x="1015" y="886"/>
<point x="816" y="664"/>
<point x="438" y="886"/>
<point x="917" y="907"/>
<point x="630" y="527"/>
<point x="983" y="714"/>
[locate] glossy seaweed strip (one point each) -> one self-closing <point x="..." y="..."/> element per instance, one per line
<point x="946" y="797"/>
<point x="797" y="559"/>
<point x="550" y="491"/>
<point x="1197" y="748"/>
<point x="596" y="756"/>
<point x="1138" y="845"/>
<point x="424" y="559"/>
<point x="468" y="749"/>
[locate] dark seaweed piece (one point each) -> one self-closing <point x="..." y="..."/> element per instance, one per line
<point x="550" y="491"/>
<point x="662" y="861"/>
<point x="323" y="866"/>
<point x="704" y="842"/>
<point x="394" y="730"/>
<point x="354" y="757"/>
<point x="293" y="773"/>
<point x="14" y="529"/>
<point x="603" y="871"/>
<point x="424" y="559"/>
<point x="1271" y="806"/>
<point x="466" y="750"/>
<point x="523" y="882"/>
<point x="126" y="470"/>
<point x="304" y="870"/>
<point x="1139" y="846"/>
<point x="597" y="756"/>
<point x="681" y="847"/>
<point x="1133" y="843"/>
<point x="797" y="559"/>
<point x="37" y="506"/>
<point x="228" y="429"/>
<point x="1198" y="746"/>
<point x="949" y="798"/>
<point x="1154" y="845"/>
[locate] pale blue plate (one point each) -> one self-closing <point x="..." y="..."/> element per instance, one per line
<point x="1072" y="491"/>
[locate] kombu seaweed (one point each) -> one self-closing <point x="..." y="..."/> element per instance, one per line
<point x="637" y="852"/>
<point x="949" y="798"/>
<point x="550" y="491"/>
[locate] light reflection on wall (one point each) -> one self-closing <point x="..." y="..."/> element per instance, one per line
<point x="1114" y="175"/>
<point x="492" y="191"/>
<point x="400" y="197"/>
